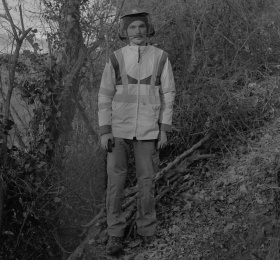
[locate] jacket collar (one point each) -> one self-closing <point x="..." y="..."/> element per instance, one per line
<point x="135" y="48"/>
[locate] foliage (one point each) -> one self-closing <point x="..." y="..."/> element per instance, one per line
<point x="225" y="66"/>
<point x="50" y="87"/>
<point x="5" y="126"/>
<point x="30" y="194"/>
<point x="28" y="204"/>
<point x="42" y="93"/>
<point x="224" y="57"/>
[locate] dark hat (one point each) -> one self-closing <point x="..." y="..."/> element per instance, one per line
<point x="130" y="17"/>
<point x="127" y="20"/>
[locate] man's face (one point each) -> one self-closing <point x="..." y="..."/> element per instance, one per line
<point x="137" y="33"/>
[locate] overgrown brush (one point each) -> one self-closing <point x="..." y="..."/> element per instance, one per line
<point x="225" y="64"/>
<point x="32" y="183"/>
<point x="30" y="207"/>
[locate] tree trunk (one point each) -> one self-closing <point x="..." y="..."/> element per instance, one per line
<point x="73" y="59"/>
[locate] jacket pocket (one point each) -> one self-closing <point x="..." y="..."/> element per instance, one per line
<point x="149" y="114"/>
<point x="116" y="106"/>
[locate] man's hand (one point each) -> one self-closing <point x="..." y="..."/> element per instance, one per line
<point x="104" y="140"/>
<point x="162" y="139"/>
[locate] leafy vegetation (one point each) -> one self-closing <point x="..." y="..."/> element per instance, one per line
<point x="225" y="61"/>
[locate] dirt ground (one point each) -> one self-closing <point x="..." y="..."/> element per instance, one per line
<point x="230" y="211"/>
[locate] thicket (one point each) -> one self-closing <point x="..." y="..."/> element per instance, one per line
<point x="225" y="60"/>
<point x="31" y="185"/>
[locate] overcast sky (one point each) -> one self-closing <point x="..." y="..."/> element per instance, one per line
<point x="32" y="18"/>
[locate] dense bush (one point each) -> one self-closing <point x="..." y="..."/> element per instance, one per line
<point x="30" y="183"/>
<point x="224" y="56"/>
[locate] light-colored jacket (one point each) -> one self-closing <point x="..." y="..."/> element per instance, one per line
<point x="136" y="94"/>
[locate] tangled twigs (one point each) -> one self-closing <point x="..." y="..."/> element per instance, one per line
<point x="277" y="181"/>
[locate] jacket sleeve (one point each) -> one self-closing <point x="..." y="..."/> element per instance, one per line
<point x="105" y="96"/>
<point x="167" y="95"/>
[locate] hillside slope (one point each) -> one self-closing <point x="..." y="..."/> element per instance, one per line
<point x="228" y="213"/>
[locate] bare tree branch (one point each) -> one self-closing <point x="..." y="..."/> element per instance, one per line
<point x="20" y="31"/>
<point x="10" y="19"/>
<point x="12" y="72"/>
<point x="21" y="18"/>
<point x="50" y="50"/>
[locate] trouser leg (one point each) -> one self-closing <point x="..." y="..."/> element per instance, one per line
<point x="146" y="161"/>
<point x="117" y="166"/>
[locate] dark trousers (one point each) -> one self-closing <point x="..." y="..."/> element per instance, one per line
<point x="146" y="162"/>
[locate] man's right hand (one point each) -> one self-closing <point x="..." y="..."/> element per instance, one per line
<point x="104" y="140"/>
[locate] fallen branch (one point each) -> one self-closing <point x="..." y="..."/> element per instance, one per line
<point x="181" y="157"/>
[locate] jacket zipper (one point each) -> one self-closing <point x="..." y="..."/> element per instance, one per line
<point x="138" y="86"/>
<point x="139" y="54"/>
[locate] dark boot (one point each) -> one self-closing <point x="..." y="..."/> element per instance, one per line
<point x="114" y="245"/>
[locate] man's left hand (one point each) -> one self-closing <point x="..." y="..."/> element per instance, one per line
<point x="162" y="140"/>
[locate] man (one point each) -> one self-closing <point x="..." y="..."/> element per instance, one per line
<point x="135" y="104"/>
